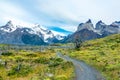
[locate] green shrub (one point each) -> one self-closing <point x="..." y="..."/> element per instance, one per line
<point x="31" y="55"/>
<point x="42" y="60"/>
<point x="59" y="60"/>
<point x="55" y="62"/>
<point x="102" y="53"/>
<point x="1" y="65"/>
<point x="1" y="78"/>
<point x="19" y="59"/>
<point x="7" y="53"/>
<point x="23" y="71"/>
<point x="67" y="64"/>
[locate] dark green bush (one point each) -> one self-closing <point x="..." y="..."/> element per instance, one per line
<point x="1" y="78"/>
<point x="67" y="64"/>
<point x="59" y="60"/>
<point x="19" y="59"/>
<point x="7" y="53"/>
<point x="102" y="53"/>
<point x="55" y="62"/>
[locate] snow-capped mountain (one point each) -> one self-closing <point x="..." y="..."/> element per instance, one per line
<point x="40" y="35"/>
<point x="9" y="27"/>
<point x="16" y="34"/>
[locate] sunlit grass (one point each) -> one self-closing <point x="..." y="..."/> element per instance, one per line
<point x="34" y="66"/>
<point x="103" y="54"/>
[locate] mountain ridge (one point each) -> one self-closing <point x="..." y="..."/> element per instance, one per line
<point x="39" y="35"/>
<point x="35" y="35"/>
<point x="87" y="31"/>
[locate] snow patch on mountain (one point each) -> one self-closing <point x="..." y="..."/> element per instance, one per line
<point x="36" y="29"/>
<point x="9" y="27"/>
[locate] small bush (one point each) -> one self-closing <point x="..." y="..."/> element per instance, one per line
<point x="7" y="53"/>
<point x="66" y="65"/>
<point x="1" y="65"/>
<point x="59" y="60"/>
<point x="31" y="55"/>
<point x="19" y="59"/>
<point x="24" y="71"/>
<point x="41" y="60"/>
<point x="1" y="78"/>
<point x="102" y="53"/>
<point x="55" y="62"/>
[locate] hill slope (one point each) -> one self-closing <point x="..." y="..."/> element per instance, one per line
<point x="104" y="54"/>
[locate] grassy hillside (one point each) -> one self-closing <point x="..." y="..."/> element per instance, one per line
<point x="30" y="65"/>
<point x="103" y="54"/>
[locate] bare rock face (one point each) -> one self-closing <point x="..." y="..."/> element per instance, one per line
<point x="86" y="31"/>
<point x="88" y="25"/>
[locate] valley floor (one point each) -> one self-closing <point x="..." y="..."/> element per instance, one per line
<point x="33" y="65"/>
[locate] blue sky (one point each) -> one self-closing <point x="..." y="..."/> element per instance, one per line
<point x="66" y="14"/>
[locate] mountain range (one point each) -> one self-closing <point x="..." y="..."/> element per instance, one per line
<point x="86" y="31"/>
<point x="39" y="35"/>
<point x="33" y="35"/>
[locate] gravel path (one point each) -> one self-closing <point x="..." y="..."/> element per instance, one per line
<point x="82" y="70"/>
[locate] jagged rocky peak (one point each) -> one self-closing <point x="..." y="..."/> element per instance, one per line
<point x="9" y="24"/>
<point x="100" y="25"/>
<point x="36" y="25"/>
<point x="88" y="25"/>
<point x="9" y="27"/>
<point x="106" y="30"/>
<point x="80" y="24"/>
<point x="89" y="21"/>
<point x="116" y="24"/>
<point x="100" y="22"/>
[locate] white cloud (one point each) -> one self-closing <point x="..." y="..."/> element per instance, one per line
<point x="78" y="10"/>
<point x="18" y="22"/>
<point x="14" y="12"/>
<point x="12" y="9"/>
<point x="63" y="13"/>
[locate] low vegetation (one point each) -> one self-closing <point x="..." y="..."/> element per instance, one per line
<point x="33" y="65"/>
<point x="103" y="54"/>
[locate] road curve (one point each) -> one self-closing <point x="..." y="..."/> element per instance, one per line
<point x="82" y="70"/>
